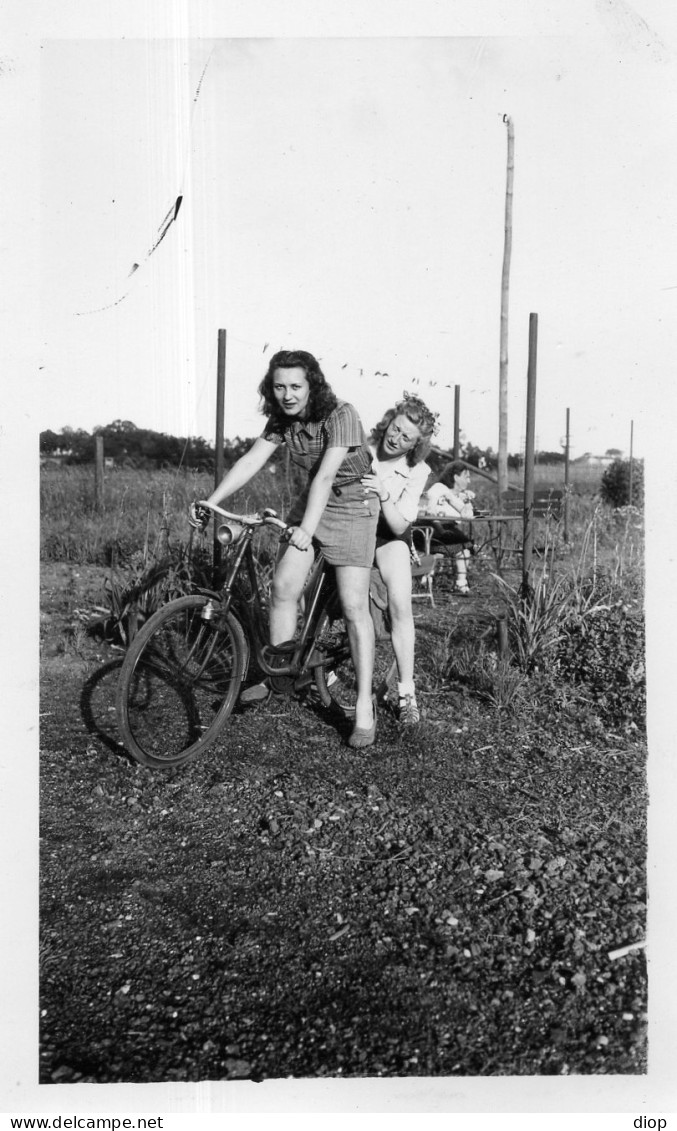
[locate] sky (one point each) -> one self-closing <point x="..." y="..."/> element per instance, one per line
<point x="346" y="195"/>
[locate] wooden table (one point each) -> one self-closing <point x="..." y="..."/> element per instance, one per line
<point x="497" y="524"/>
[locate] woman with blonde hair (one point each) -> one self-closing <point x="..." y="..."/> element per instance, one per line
<point x="399" y="444"/>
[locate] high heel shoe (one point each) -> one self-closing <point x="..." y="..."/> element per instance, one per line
<point x="257" y="693"/>
<point x="363" y="736"/>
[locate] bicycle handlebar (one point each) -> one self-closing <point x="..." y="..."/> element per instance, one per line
<point x="264" y="518"/>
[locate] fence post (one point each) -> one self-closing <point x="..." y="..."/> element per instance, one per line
<point x="566" y="482"/>
<point x="98" y="473"/>
<point x="528" y="540"/>
<point x="218" y="436"/>
<point x="457" y="421"/>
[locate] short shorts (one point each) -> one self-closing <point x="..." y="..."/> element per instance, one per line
<point x="384" y="534"/>
<point x="346" y="532"/>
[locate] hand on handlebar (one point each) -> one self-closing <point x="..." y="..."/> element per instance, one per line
<point x="198" y="516"/>
<point x="296" y="536"/>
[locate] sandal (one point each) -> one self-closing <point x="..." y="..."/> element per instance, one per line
<point x="409" y="713"/>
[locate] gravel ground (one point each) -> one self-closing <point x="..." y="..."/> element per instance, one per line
<point x="443" y="904"/>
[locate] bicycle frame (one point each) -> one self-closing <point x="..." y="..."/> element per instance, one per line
<point x="291" y="663"/>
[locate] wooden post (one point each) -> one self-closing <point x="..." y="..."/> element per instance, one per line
<point x="528" y="541"/>
<point x="503" y="355"/>
<point x="566" y="481"/>
<point x="632" y="424"/>
<point x="457" y="421"/>
<point x="502" y="636"/>
<point x="218" y="437"/>
<point x="98" y="473"/>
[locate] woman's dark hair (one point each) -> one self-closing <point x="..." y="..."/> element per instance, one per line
<point x="419" y="414"/>
<point x="323" y="399"/>
<point x="450" y="471"/>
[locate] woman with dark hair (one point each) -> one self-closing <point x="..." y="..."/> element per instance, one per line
<point x="451" y="497"/>
<point x="325" y="439"/>
<point x="399" y="444"/>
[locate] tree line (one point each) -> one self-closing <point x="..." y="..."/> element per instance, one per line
<point x="134" y="447"/>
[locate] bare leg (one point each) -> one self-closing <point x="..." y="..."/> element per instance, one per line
<point x="461" y="568"/>
<point x="393" y="561"/>
<point x="288" y="582"/>
<point x="353" y="588"/>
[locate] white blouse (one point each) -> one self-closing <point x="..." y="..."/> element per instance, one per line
<point x="442" y="502"/>
<point x="404" y="483"/>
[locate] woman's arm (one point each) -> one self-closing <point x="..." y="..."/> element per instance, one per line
<point x="461" y="504"/>
<point x="443" y="503"/>
<point x="393" y="516"/>
<point x="389" y="508"/>
<point x="244" y="469"/>
<point x="399" y="513"/>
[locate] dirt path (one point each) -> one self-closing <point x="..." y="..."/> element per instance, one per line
<point x="442" y="906"/>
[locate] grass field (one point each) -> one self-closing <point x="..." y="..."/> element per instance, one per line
<point x="143" y="509"/>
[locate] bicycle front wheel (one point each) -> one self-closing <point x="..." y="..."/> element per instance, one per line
<point x="335" y="676"/>
<point x="179" y="681"/>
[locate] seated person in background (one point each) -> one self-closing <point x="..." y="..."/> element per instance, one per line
<point x="450" y="497"/>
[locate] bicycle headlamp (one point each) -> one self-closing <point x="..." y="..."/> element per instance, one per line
<point x="228" y="533"/>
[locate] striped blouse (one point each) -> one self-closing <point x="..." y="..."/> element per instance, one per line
<point x="308" y="440"/>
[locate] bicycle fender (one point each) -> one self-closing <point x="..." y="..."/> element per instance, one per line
<point x="208" y="592"/>
<point x="248" y="647"/>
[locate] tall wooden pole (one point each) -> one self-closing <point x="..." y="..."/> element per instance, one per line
<point x="528" y="543"/>
<point x="632" y="425"/>
<point x="503" y="356"/>
<point x="566" y="481"/>
<point x="218" y="435"/>
<point x="457" y="421"/>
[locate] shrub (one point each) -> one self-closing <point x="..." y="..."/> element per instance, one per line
<point x="537" y="624"/>
<point x="615" y="486"/>
<point x="493" y="679"/>
<point x="585" y="627"/>
<point x="150" y="583"/>
<point x="606" y="654"/>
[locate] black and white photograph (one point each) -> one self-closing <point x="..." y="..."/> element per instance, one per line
<point x="338" y="691"/>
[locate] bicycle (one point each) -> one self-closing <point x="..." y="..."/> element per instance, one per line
<point x="182" y="674"/>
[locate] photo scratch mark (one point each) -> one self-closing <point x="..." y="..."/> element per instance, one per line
<point x="630" y="30"/>
<point x="166" y="223"/>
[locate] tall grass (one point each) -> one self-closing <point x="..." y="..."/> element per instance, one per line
<point x="142" y="533"/>
<point x="538" y="617"/>
<point x="144" y="512"/>
<point x="584" y="484"/>
<point x="578" y="624"/>
<point x="582" y="480"/>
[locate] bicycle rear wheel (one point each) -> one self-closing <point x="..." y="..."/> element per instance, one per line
<point x="335" y="676"/>
<point x="179" y="681"/>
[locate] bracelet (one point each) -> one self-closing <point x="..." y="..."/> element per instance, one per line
<point x="386" y="498"/>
